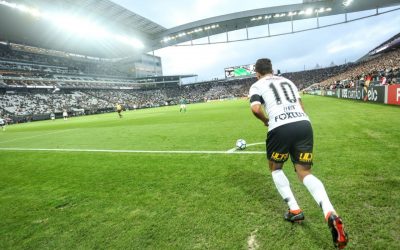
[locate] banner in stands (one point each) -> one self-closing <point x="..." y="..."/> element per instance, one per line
<point x="356" y="94"/>
<point x="329" y="92"/>
<point x="376" y="94"/>
<point x="389" y="94"/>
<point x="393" y="94"/>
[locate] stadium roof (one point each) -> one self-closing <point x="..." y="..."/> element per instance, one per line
<point x="19" y="27"/>
<point x="267" y="16"/>
<point x="16" y="25"/>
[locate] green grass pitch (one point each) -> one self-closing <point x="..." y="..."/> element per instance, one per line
<point x="140" y="193"/>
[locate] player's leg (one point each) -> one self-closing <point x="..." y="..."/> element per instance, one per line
<point x="318" y="192"/>
<point x="315" y="187"/>
<point x="282" y="184"/>
<point x="277" y="146"/>
<point x="302" y="156"/>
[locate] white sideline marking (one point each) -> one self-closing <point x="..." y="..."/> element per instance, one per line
<point x="233" y="150"/>
<point x="131" y="151"/>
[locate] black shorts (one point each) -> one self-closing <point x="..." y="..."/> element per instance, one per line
<point x="294" y="139"/>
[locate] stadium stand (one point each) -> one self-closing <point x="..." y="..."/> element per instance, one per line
<point x="383" y="68"/>
<point x="34" y="85"/>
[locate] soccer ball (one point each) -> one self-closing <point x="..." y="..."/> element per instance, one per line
<point x="241" y="144"/>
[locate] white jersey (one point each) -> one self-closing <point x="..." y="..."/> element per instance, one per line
<point x="2" y="122"/>
<point x="281" y="99"/>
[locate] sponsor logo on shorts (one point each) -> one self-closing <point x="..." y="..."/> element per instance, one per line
<point x="306" y="157"/>
<point x="279" y="157"/>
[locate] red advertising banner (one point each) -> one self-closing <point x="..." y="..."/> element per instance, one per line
<point x="394" y="94"/>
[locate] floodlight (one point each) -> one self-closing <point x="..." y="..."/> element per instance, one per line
<point x="79" y="26"/>
<point x="130" y="41"/>
<point x="74" y="24"/>
<point x="22" y="8"/>
<point x="11" y="5"/>
<point x="34" y="12"/>
<point x="308" y="11"/>
<point x="347" y="2"/>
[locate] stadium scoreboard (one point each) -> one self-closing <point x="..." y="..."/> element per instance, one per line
<point x="240" y="71"/>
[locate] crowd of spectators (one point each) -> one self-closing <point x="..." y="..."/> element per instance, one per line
<point x="306" y="78"/>
<point x="47" y="101"/>
<point x="380" y="70"/>
<point x="23" y="104"/>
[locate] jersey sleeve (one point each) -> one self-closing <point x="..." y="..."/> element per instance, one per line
<point x="255" y="96"/>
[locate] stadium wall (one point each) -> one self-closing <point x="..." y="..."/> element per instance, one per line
<point x="389" y="94"/>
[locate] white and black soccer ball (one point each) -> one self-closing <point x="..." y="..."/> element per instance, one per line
<point x="241" y="144"/>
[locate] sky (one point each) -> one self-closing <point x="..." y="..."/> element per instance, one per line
<point x="293" y="52"/>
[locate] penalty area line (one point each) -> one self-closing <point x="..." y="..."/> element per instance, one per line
<point x="131" y="151"/>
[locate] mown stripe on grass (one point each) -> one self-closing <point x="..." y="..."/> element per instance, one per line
<point x="33" y="136"/>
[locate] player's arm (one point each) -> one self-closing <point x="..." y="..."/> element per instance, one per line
<point x="256" y="102"/>
<point x="258" y="112"/>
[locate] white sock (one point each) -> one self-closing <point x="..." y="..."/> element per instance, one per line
<point x="283" y="186"/>
<point x="317" y="190"/>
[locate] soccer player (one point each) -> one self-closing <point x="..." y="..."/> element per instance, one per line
<point x="65" y="114"/>
<point x="290" y="134"/>
<point x="3" y="124"/>
<point x="183" y="105"/>
<point x="119" y="109"/>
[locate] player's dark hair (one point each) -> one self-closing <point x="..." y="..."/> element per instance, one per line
<point x="263" y="66"/>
